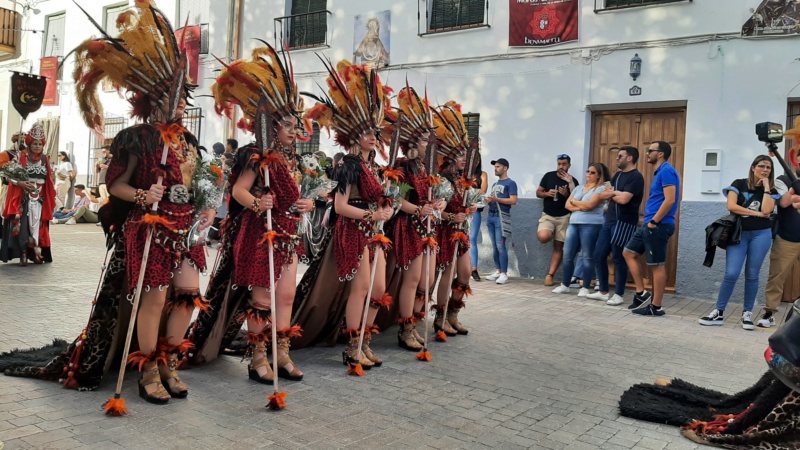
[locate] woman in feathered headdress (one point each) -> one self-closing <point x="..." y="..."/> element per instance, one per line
<point x="414" y="120"/>
<point x="245" y="236"/>
<point x="354" y="109"/>
<point x="29" y="203"/>
<point x="453" y="142"/>
<point x="152" y="163"/>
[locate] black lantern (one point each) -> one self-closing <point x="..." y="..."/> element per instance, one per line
<point x="636" y="66"/>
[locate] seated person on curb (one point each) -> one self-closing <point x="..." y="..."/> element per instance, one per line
<point x="82" y="211"/>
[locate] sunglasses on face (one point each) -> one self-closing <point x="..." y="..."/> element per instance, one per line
<point x="562" y="156"/>
<point x="650" y="150"/>
<point x="621" y="156"/>
<point x="591" y="172"/>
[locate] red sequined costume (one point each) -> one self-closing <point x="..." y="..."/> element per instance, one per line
<point x="350" y="235"/>
<point x="251" y="251"/>
<point x="410" y="229"/>
<point x="447" y="232"/>
<point x="168" y="248"/>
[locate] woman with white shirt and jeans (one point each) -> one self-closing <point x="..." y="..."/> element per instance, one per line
<point x="64" y="174"/>
<point x="584" y="226"/>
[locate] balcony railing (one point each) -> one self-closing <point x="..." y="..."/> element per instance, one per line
<point x="604" y="5"/>
<point x="10" y="33"/>
<point x="303" y="30"/>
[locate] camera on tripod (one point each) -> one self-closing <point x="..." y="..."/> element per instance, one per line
<point x="769" y="132"/>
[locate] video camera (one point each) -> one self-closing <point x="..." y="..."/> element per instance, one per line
<point x="771" y="134"/>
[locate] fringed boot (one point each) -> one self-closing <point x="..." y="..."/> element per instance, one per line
<point x="405" y="335"/>
<point x="284" y="338"/>
<point x="420" y="316"/>
<point x="259" y="369"/>
<point x="368" y="332"/>
<point x="150" y="387"/>
<point x="456" y="303"/>
<point x="350" y="356"/>
<point x="168" y="370"/>
<point x="439" y="324"/>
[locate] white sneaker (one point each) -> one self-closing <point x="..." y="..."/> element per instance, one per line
<point x="71" y="221"/>
<point x="747" y="321"/>
<point x="615" y="300"/>
<point x="54" y="221"/>
<point x="561" y="289"/>
<point x="574" y="283"/>
<point x="583" y="292"/>
<point x="596" y="287"/>
<point x="598" y="296"/>
<point x="493" y="276"/>
<point x="766" y="321"/>
<point x="503" y="279"/>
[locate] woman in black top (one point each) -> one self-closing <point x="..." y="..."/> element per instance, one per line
<point x="753" y="200"/>
<point x="475" y="224"/>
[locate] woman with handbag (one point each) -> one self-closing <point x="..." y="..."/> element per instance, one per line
<point x="753" y="200"/>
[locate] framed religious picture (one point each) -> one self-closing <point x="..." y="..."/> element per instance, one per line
<point x="371" y="39"/>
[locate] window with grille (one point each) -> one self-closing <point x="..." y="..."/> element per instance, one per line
<point x="456" y="14"/>
<point x="311" y="145"/>
<point x="54" y="34"/>
<point x="473" y="122"/>
<point x="110" y="14"/>
<point x="612" y="4"/>
<point x="198" y="11"/>
<point x="308" y="24"/>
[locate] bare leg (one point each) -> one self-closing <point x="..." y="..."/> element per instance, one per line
<point x="635" y="270"/>
<point x="411" y="280"/>
<point x="379" y="287"/>
<point x="284" y="300"/>
<point x="555" y="259"/>
<point x="659" y="283"/>
<point x="359" y="286"/>
<point x="186" y="278"/>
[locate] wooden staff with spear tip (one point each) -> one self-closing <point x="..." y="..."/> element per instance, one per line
<point x="431" y="169"/>
<point x="469" y="169"/>
<point x="116" y="406"/>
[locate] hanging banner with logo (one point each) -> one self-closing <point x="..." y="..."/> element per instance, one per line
<point x="774" y="18"/>
<point x="192" y="46"/>
<point x="48" y="67"/>
<point x="27" y="92"/>
<point x="537" y="23"/>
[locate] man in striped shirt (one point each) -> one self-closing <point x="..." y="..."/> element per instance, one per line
<point x="621" y="220"/>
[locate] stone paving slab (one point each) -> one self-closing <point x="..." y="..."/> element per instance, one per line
<point x="538" y="370"/>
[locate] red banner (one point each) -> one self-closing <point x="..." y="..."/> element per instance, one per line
<point x="191" y="43"/>
<point x="536" y="23"/>
<point x="48" y="67"/>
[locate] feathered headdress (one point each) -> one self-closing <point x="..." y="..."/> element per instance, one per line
<point x="36" y="134"/>
<point x="355" y="103"/>
<point x="144" y="59"/>
<point x="242" y="82"/>
<point x="417" y="118"/>
<point x="451" y="132"/>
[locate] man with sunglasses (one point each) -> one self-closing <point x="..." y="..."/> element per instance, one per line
<point x="555" y="189"/>
<point x="621" y="218"/>
<point x="652" y="238"/>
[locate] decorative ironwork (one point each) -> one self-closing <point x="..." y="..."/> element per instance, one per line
<point x="303" y="30"/>
<point x="473" y="122"/>
<point x="111" y="126"/>
<point x="193" y="121"/>
<point x="448" y="15"/>
<point x="311" y="145"/>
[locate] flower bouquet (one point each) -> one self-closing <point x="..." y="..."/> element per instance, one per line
<point x="13" y="171"/>
<point x="313" y="183"/>
<point x="441" y="188"/>
<point x="208" y="185"/>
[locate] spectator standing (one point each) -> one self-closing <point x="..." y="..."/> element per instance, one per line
<point x="753" y="200"/>
<point x="218" y="150"/>
<point x="64" y="174"/>
<point x="621" y="218"/>
<point x="652" y="238"/>
<point x="231" y="145"/>
<point x="785" y="250"/>
<point x="83" y="211"/>
<point x="555" y="188"/>
<point x="586" y="208"/>
<point x="475" y="224"/>
<point x="502" y="198"/>
<point x="100" y="169"/>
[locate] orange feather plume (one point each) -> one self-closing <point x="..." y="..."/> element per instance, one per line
<point x="430" y="242"/>
<point x="465" y="183"/>
<point x="393" y="174"/>
<point x="424" y="356"/>
<point x="269" y="237"/>
<point x="355" y="370"/>
<point x="277" y="401"/>
<point x="440" y="336"/>
<point x="433" y="181"/>
<point x="381" y="240"/>
<point x="153" y="220"/>
<point x="115" y="407"/>
<point x="460" y="237"/>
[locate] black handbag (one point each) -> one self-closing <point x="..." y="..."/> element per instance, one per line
<point x="731" y="234"/>
<point x="786" y="340"/>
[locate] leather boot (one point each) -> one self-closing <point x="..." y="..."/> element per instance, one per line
<point x="452" y="319"/>
<point x="284" y="338"/>
<point x="439" y="324"/>
<point x="169" y="370"/>
<point x="420" y="316"/>
<point x="352" y="355"/>
<point x="150" y="387"/>
<point x="405" y="335"/>
<point x="260" y="360"/>
<point x="376" y="360"/>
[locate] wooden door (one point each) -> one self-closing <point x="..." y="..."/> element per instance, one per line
<point x="639" y="129"/>
<point x="791" y="289"/>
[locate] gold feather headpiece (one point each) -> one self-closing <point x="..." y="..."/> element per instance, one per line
<point x="417" y="117"/>
<point x="451" y="132"/>
<point x="145" y="59"/>
<point x="355" y="103"/>
<point x="243" y="81"/>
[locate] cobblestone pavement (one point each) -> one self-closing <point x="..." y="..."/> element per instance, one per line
<point x="537" y="370"/>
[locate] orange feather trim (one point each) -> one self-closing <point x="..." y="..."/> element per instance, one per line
<point x="183" y="347"/>
<point x="716" y="426"/>
<point x="277" y="401"/>
<point x="138" y="359"/>
<point x="407" y="320"/>
<point x="292" y="332"/>
<point x="202" y="304"/>
<point x="373" y="329"/>
<point x="433" y="180"/>
<point x="393" y="174"/>
<point x="430" y="242"/>
<point x="385" y="301"/>
<point x="115" y="407"/>
<point x="355" y="370"/>
<point x="382" y="241"/>
<point x="271" y="159"/>
<point x="153" y="220"/>
<point x="461" y="238"/>
<point x="424" y="356"/>
<point x="465" y="183"/>
<point x="269" y="237"/>
<point x="170" y="132"/>
<point x="440" y="336"/>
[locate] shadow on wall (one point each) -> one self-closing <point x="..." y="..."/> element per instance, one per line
<point x="528" y="257"/>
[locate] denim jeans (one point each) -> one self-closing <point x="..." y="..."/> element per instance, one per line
<point x="474" y="230"/>
<point x="753" y="247"/>
<point x="583" y="236"/>
<point x="60" y="216"/>
<point x="601" y="250"/>
<point x="499" y="251"/>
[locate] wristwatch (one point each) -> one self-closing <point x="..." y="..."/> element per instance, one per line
<point x="654" y="223"/>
